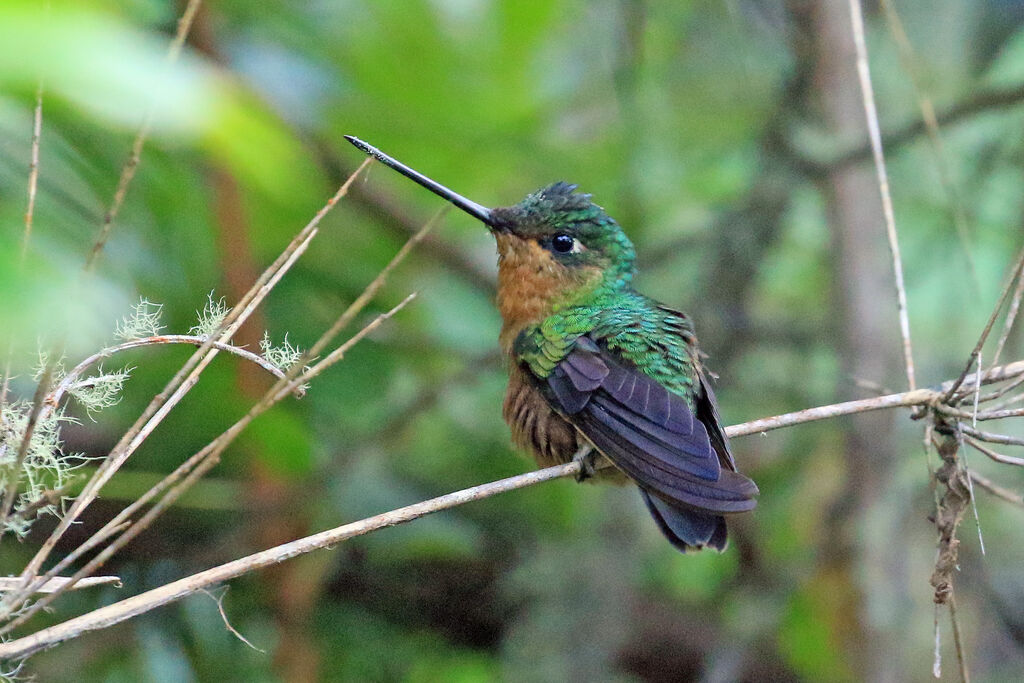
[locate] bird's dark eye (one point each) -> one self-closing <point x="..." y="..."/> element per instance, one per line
<point x="562" y="243"/>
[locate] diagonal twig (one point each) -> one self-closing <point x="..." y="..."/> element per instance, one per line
<point x="931" y="124"/>
<point x="997" y="490"/>
<point x="975" y="354"/>
<point x="135" y="156"/>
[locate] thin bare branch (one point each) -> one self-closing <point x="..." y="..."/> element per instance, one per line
<point x="132" y="165"/>
<point x="184" y="380"/>
<point x="1011" y="317"/>
<point x="982" y="415"/>
<point x="149" y="600"/>
<point x="1014" y="274"/>
<point x="219" y="599"/>
<point x="983" y="101"/>
<point x="918" y="397"/>
<point x="144" y="602"/>
<point x="931" y="124"/>
<point x="59" y="582"/>
<point x="992" y="437"/>
<point x="875" y="136"/>
<point x="998" y="457"/>
<point x="1002" y="391"/>
<point x="958" y="641"/>
<point x="997" y="490"/>
<point x="371" y="290"/>
<point x="33" y="169"/>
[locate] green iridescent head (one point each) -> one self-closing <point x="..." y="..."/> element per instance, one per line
<point x="576" y="231"/>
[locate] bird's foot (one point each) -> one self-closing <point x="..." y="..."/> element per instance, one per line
<point x="587" y="457"/>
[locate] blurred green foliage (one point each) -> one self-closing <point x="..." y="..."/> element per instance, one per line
<point x="666" y="112"/>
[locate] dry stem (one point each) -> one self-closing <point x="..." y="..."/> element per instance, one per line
<point x="875" y="136"/>
<point x="132" y="165"/>
<point x="33" y="169"/>
<point x="931" y="124"/>
<point x="976" y="353"/>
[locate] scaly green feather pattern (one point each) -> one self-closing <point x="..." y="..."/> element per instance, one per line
<point x="653" y="338"/>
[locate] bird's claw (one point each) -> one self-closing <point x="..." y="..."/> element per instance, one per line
<point x="586" y="456"/>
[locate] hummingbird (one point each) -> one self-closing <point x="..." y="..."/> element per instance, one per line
<point x="599" y="372"/>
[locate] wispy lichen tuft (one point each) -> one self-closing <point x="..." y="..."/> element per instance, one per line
<point x="282" y="357"/>
<point x="45" y="468"/>
<point x="210" y="317"/>
<point x="143" y="322"/>
<point x="43" y="361"/>
<point x="100" y="391"/>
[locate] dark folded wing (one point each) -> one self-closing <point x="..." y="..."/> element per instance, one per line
<point x="647" y="431"/>
<point x="707" y="412"/>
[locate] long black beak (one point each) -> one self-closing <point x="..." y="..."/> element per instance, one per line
<point x="472" y="208"/>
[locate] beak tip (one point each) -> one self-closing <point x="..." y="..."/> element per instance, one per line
<point x="359" y="144"/>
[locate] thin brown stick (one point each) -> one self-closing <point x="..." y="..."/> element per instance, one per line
<point x="33" y="184"/>
<point x="58" y="582"/>
<point x="371" y="290"/>
<point x="1011" y="317"/>
<point x="983" y="101"/>
<point x="33" y="169"/>
<point x="1001" y="391"/>
<point x="984" y="414"/>
<point x="931" y="124"/>
<point x="992" y="437"/>
<point x="875" y="136"/>
<point x="997" y="490"/>
<point x="1014" y="274"/>
<point x="918" y="397"/>
<point x="958" y="641"/>
<point x="132" y="165"/>
<point x="994" y="455"/>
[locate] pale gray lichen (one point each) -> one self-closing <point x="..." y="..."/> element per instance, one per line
<point x="210" y="318"/>
<point x="101" y="390"/>
<point x="281" y="357"/>
<point x="143" y="322"/>
<point x="43" y="361"/>
<point x="45" y="466"/>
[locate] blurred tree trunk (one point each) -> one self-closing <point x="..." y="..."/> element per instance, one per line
<point x="865" y="326"/>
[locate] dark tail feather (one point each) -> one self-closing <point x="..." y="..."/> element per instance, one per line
<point x="684" y="528"/>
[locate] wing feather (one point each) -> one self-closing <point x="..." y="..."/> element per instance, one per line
<point x="648" y="432"/>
